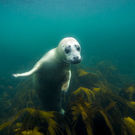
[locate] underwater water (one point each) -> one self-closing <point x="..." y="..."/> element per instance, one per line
<point x="106" y="31"/>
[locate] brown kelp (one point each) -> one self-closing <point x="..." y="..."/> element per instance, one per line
<point x="96" y="104"/>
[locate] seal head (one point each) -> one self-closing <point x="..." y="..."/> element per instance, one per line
<point x="70" y="50"/>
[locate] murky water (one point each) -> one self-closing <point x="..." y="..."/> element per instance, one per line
<point x="106" y="32"/>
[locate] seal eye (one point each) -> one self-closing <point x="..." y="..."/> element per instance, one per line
<point x="67" y="50"/>
<point x="77" y="47"/>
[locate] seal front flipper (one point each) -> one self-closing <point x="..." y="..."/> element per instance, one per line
<point x="66" y="84"/>
<point x="45" y="58"/>
<point x="35" y="68"/>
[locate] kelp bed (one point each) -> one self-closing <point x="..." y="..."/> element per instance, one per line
<point x="100" y="101"/>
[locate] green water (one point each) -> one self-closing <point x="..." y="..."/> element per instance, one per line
<point x="105" y="30"/>
<point x="29" y="28"/>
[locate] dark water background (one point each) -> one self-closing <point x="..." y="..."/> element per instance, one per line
<point x="104" y="28"/>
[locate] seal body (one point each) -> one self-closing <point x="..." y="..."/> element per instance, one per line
<point x="52" y="72"/>
<point x="48" y="82"/>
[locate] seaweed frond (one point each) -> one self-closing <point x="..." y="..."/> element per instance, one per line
<point x="110" y="106"/>
<point x="130" y="91"/>
<point x="130" y="124"/>
<point x="82" y="72"/>
<point x="81" y="108"/>
<point x="108" y="123"/>
<point x="96" y="90"/>
<point x="85" y="93"/>
<point x="31" y="132"/>
<point x="131" y="104"/>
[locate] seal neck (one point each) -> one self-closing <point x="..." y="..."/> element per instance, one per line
<point x="60" y="57"/>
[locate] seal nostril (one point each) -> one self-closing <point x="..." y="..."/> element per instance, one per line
<point x="76" y="58"/>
